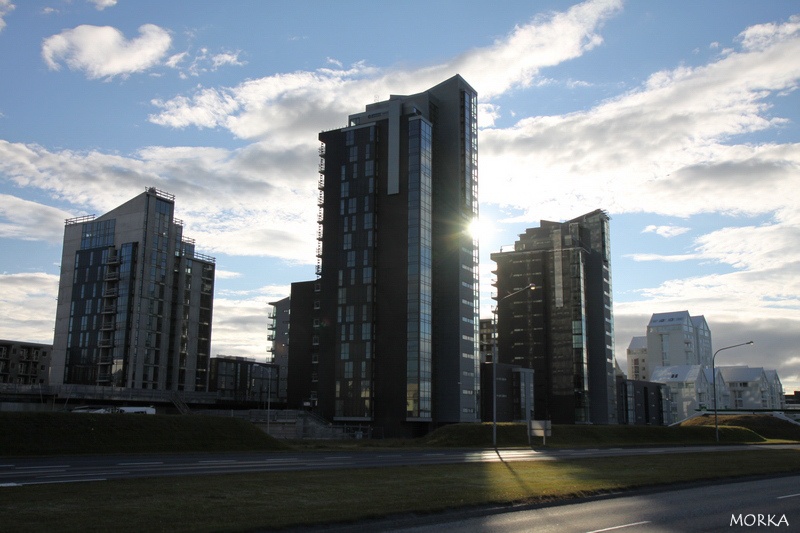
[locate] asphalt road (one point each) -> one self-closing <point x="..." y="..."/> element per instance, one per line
<point x="755" y="505"/>
<point x="16" y="471"/>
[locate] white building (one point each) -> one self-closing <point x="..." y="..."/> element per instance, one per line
<point x="723" y="394"/>
<point x="777" y="398"/>
<point x="751" y="388"/>
<point x="637" y="358"/>
<point x="689" y="387"/>
<point x="677" y="338"/>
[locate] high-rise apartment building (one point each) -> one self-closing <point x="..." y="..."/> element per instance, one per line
<point x="279" y="338"/>
<point x="676" y="338"/>
<point x="397" y="296"/>
<point x="134" y="300"/>
<point x="563" y="329"/>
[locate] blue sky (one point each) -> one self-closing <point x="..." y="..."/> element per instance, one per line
<point x="680" y="119"/>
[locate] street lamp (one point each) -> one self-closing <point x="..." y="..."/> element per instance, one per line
<point x="714" y="381"/>
<point x="531" y="287"/>
<point x="269" y="388"/>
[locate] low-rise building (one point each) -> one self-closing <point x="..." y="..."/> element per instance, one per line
<point x="689" y="387"/>
<point x="24" y="363"/>
<point x="749" y="388"/>
<point x="244" y="380"/>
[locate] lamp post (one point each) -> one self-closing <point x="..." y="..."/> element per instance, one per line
<point x="531" y="287"/>
<point x="714" y="382"/>
<point x="269" y="388"/>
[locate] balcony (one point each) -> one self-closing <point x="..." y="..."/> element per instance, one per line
<point x="106" y="343"/>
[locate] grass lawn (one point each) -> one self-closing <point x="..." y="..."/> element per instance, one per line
<point x="247" y="502"/>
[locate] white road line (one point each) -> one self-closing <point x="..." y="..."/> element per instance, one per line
<point x="41" y="467"/>
<point x="64" y="481"/>
<point x="619" y="527"/>
<point x="789" y="496"/>
<point x="79" y="475"/>
<point x="220" y="462"/>
<point x="141" y="463"/>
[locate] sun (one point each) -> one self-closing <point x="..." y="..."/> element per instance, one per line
<point x="476" y="229"/>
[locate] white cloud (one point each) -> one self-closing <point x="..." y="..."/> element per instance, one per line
<point x="240" y="321"/>
<point x="661" y="257"/>
<point x="665" y="147"/>
<point x="291" y="108"/>
<point x="6" y="7"/>
<point x="226" y="274"/>
<point x="665" y="231"/>
<point x="251" y="201"/>
<point x="104" y="52"/>
<point x="32" y="297"/>
<point x="226" y="58"/>
<point x="202" y="62"/>
<point x="102" y="4"/>
<point x="30" y="221"/>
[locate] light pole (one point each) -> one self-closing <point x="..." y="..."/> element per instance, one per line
<point x="269" y="388"/>
<point x="531" y="287"/>
<point x="714" y="382"/>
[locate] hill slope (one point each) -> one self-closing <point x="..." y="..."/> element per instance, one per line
<point x="69" y="433"/>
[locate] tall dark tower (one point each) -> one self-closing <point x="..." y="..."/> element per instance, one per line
<point x="564" y="328"/>
<point x="398" y="271"/>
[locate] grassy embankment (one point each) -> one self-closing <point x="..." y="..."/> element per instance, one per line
<point x="246" y="502"/>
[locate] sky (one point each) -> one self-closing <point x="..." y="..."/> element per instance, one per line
<point x="680" y="119"/>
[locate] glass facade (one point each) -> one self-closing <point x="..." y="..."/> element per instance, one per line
<point x="356" y="277"/>
<point x="419" y="318"/>
<point x="563" y="328"/>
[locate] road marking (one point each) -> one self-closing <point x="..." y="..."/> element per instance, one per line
<point x="141" y="463"/>
<point x="41" y="467"/>
<point x="219" y="462"/>
<point x="619" y="527"/>
<point x="63" y="481"/>
<point x="789" y="496"/>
